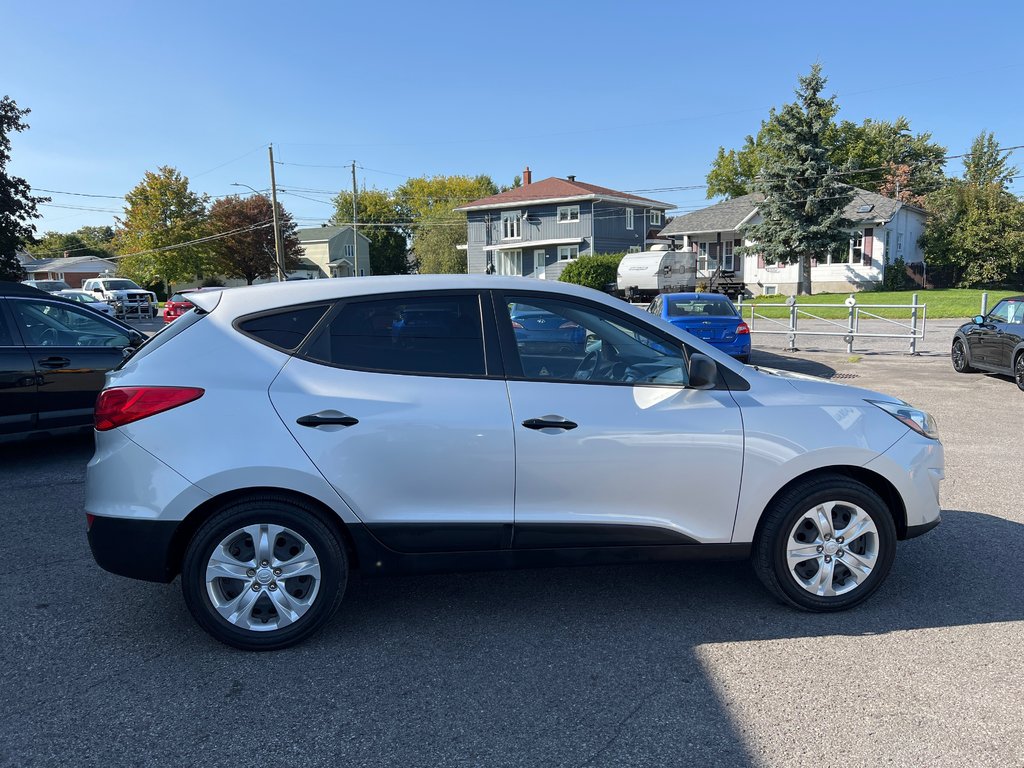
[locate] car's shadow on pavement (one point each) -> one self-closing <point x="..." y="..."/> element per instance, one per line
<point x="791" y="363"/>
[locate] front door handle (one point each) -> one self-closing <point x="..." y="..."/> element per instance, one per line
<point x="326" y="419"/>
<point x="550" y="422"/>
<point x="54" y="362"/>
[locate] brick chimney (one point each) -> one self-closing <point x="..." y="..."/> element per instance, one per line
<point x="527" y="176"/>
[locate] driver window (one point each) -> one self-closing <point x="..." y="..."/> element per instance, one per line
<point x="564" y="341"/>
<point x="47" y="324"/>
<point x="999" y="314"/>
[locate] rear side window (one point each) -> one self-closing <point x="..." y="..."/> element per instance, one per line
<point x="178" y="297"/>
<point x="413" y="335"/>
<point x="284" y="329"/>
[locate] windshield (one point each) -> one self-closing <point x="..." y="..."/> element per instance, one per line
<point x="121" y="285"/>
<point x="50" y="285"/>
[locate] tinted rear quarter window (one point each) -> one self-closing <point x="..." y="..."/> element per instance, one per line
<point x="418" y="335"/>
<point x="283" y="329"/>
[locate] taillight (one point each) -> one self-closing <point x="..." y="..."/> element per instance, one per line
<point x="518" y="325"/>
<point x="88" y="521"/>
<point x="742" y="328"/>
<point x="118" y="406"/>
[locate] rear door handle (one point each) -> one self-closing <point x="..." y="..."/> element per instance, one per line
<point x="326" y="419"/>
<point x="54" y="362"/>
<point x="550" y="422"/>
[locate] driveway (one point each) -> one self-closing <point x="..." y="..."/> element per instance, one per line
<point x="639" y="665"/>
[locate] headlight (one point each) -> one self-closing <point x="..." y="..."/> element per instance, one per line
<point x="921" y="422"/>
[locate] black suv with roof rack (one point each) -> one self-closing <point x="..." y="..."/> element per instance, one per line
<point x="54" y="356"/>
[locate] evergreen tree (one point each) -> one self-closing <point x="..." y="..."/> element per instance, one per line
<point x="17" y="204"/>
<point x="802" y="213"/>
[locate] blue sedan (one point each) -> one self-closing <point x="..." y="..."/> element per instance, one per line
<point x="710" y="317"/>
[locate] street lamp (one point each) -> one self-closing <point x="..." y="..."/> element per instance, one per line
<point x="277" y="231"/>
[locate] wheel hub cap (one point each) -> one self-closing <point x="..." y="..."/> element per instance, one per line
<point x="832" y="549"/>
<point x="264" y="575"/>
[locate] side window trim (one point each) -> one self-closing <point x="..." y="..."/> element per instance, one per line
<point x="71" y="308"/>
<point x="7" y="321"/>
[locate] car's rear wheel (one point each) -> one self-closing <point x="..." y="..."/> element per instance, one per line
<point x="826" y="544"/>
<point x="959" y="357"/>
<point x="264" y="573"/>
<point x="1018" y="371"/>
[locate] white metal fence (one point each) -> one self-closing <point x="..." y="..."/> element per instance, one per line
<point x="912" y="329"/>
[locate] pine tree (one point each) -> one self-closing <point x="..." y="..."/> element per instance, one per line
<point x="802" y="213"/>
<point x="17" y="204"/>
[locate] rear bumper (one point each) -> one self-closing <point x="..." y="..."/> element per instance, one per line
<point x="139" y="549"/>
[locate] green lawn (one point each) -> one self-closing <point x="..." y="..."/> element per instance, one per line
<point x="961" y="303"/>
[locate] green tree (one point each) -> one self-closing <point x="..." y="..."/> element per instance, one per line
<point x="429" y="203"/>
<point x="802" y="213"/>
<point x="379" y="211"/>
<point x="594" y="270"/>
<point x="250" y="253"/>
<point x="161" y="214"/>
<point x="86" y="241"/>
<point x="879" y="154"/>
<point x="987" y="163"/>
<point x="17" y="204"/>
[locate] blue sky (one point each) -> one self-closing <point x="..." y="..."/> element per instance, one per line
<point x="627" y="95"/>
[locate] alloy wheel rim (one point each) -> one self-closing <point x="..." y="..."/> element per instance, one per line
<point x="959" y="356"/>
<point x="1019" y="371"/>
<point x="262" y="577"/>
<point x="832" y="549"/>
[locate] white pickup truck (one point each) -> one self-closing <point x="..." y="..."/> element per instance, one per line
<point x="125" y="296"/>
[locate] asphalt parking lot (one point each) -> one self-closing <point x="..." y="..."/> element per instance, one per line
<point x="645" y="665"/>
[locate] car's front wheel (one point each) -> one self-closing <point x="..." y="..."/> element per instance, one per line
<point x="1018" y="371"/>
<point x="958" y="355"/>
<point x="826" y="544"/>
<point x="264" y="573"/>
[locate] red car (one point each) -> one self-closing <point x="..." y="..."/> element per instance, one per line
<point x="179" y="304"/>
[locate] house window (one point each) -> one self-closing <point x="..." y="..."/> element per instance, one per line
<point x="567" y="213"/>
<point x="899" y="243"/>
<point x="702" y="257"/>
<point x="655" y="218"/>
<point x="841" y="253"/>
<point x="629" y="218"/>
<point x="771" y="290"/>
<point x="509" y="263"/>
<point x="349" y="251"/>
<point x="511" y="225"/>
<point x="634" y="249"/>
<point x="857" y="246"/>
<point x="728" y="263"/>
<point x="568" y="252"/>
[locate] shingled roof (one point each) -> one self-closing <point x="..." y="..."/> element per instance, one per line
<point x="729" y="214"/>
<point x="554" y="189"/>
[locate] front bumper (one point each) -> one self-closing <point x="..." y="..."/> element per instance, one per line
<point x="915" y="465"/>
<point x="140" y="549"/>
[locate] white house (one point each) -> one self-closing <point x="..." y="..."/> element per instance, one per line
<point x="74" y="270"/>
<point x="883" y="228"/>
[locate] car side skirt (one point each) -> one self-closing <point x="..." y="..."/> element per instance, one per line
<point x="375" y="558"/>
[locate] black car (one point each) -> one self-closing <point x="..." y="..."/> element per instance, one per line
<point x="54" y="355"/>
<point x="993" y="342"/>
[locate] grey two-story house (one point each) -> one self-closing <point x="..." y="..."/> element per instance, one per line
<point x="537" y="229"/>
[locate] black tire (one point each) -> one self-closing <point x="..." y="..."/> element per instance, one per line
<point x="772" y="541"/>
<point x="1018" y="370"/>
<point x="960" y="358"/>
<point x="299" y="518"/>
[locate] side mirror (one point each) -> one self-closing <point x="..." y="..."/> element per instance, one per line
<point x="978" y="319"/>
<point x="97" y="290"/>
<point x="702" y="373"/>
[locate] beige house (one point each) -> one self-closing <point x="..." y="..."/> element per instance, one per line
<point x="330" y="252"/>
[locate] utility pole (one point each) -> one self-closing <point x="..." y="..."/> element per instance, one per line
<point x="355" y="218"/>
<point x="279" y="257"/>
